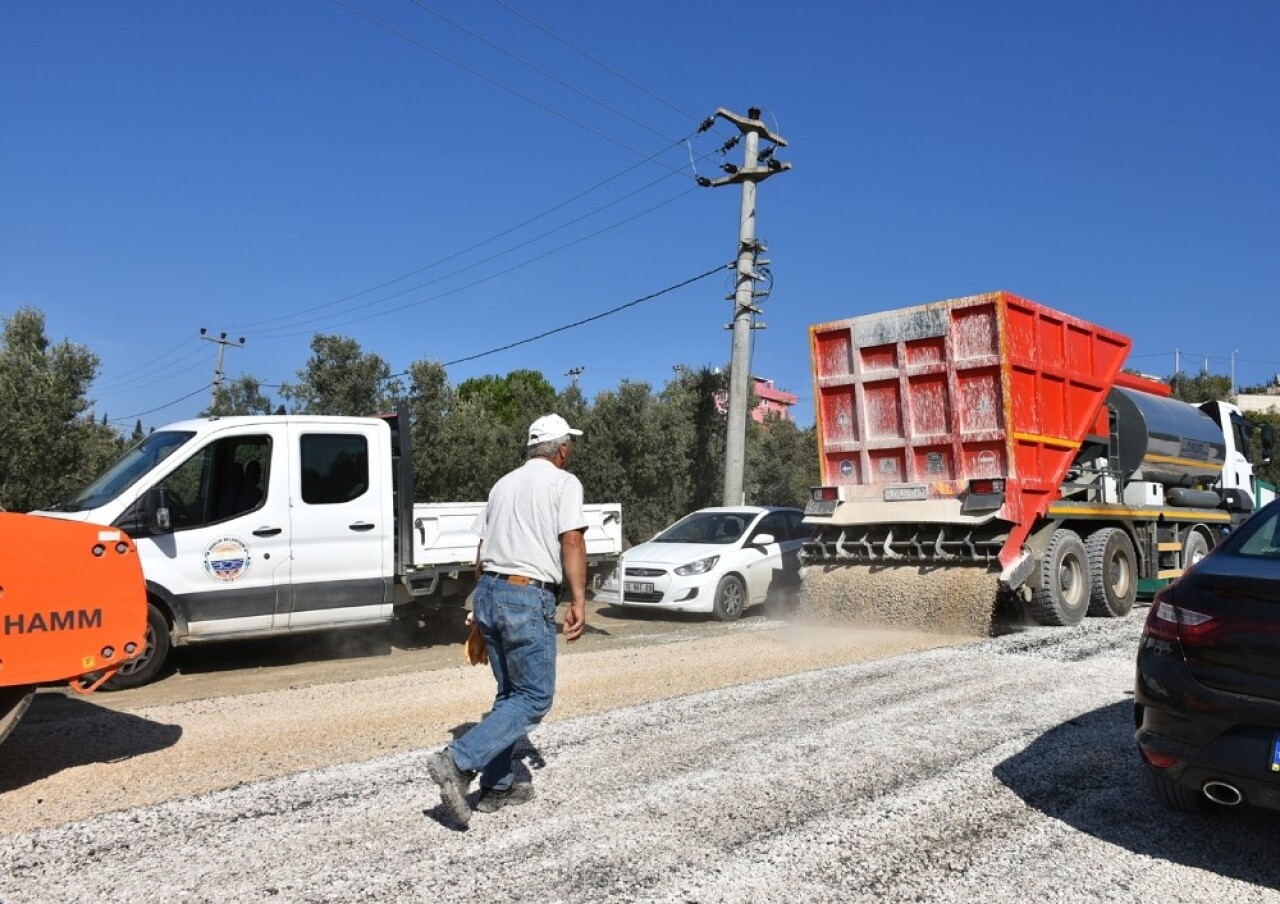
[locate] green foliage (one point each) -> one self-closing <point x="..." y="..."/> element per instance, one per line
<point x="522" y="395"/>
<point x="241" y="396"/>
<point x="1269" y="471"/>
<point x="1203" y="387"/>
<point x="340" y="379"/>
<point x="782" y="463"/>
<point x="50" y="442"/>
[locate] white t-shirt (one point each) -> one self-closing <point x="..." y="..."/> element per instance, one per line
<point x="521" y="524"/>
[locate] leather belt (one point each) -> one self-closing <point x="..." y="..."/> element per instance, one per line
<point x="521" y="581"/>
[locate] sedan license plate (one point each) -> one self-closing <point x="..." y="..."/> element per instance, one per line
<point x="638" y="587"/>
<point x="1275" y="753"/>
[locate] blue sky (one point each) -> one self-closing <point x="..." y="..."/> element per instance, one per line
<point x="438" y="179"/>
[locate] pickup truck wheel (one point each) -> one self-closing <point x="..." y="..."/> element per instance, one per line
<point x="1114" y="572"/>
<point x="137" y="672"/>
<point x="13" y="703"/>
<point x="731" y="598"/>
<point x="1063" y="595"/>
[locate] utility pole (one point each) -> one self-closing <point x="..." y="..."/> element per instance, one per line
<point x="574" y="372"/>
<point x="222" y="342"/>
<point x="744" y="309"/>
<point x="1234" y="352"/>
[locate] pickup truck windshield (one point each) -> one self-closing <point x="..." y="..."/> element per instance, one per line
<point x="128" y="470"/>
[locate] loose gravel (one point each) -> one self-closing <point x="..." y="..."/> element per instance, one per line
<point x="997" y="769"/>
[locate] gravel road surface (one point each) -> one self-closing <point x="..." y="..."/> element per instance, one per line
<point x="764" y="763"/>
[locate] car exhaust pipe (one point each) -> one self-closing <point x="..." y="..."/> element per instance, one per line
<point x="1222" y="793"/>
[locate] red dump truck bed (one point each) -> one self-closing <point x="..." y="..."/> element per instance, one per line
<point x="914" y="404"/>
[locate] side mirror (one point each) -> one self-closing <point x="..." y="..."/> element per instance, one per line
<point x="763" y="539"/>
<point x="154" y="511"/>
<point x="1268" y="443"/>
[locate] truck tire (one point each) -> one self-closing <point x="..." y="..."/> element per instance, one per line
<point x="13" y="703"/>
<point x="142" y="670"/>
<point x="1113" y="570"/>
<point x="731" y="598"/>
<point x="1063" y="595"/>
<point x="1194" y="548"/>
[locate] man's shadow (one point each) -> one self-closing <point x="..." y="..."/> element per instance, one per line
<point x="61" y="732"/>
<point x="524" y="759"/>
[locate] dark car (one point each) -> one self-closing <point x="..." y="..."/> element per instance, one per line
<point x="1207" y="700"/>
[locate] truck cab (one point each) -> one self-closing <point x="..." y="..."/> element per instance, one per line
<point x="250" y="526"/>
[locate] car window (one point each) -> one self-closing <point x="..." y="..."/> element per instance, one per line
<point x="795" y="523"/>
<point x="707" y="527"/>
<point x="773" y="523"/>
<point x="1263" y="537"/>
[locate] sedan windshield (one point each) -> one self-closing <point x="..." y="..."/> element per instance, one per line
<point x="127" y="471"/>
<point x="708" y="527"/>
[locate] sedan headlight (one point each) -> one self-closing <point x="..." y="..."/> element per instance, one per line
<point x="702" y="566"/>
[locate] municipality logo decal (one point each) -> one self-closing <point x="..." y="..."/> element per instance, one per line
<point x="226" y="560"/>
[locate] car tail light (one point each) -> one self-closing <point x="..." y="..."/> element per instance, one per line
<point x="1166" y="621"/>
<point x="824" y="494"/>
<point x="985" y="486"/>
<point x="1159" y="760"/>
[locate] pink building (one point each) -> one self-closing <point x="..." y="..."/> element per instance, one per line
<point x="773" y="402"/>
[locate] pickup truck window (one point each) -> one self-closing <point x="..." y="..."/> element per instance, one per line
<point x="224" y="480"/>
<point x="128" y="470"/>
<point x="335" y="467"/>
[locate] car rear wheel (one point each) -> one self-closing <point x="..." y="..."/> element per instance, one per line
<point x="731" y="598"/>
<point x="1194" y="548"/>
<point x="1174" y="796"/>
<point x="1113" y="571"/>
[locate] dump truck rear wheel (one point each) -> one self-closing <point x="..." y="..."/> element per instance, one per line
<point x="1063" y="595"/>
<point x="13" y="703"/>
<point x="731" y="598"/>
<point x="1114" y="573"/>
<point x="142" y="670"/>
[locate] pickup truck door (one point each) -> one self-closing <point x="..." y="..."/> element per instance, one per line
<point x="225" y="560"/>
<point x="342" y="524"/>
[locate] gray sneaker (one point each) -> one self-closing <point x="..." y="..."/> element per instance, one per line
<point x="491" y="799"/>
<point x="453" y="784"/>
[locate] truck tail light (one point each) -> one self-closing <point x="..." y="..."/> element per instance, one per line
<point x="984" y="486"/>
<point x="824" y="494"/>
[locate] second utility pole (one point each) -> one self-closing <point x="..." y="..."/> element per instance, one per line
<point x="744" y="296"/>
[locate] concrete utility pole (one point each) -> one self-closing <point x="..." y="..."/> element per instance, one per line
<point x="223" y="342"/>
<point x="744" y="308"/>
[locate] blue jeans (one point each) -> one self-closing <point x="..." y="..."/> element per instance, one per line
<point x="519" y="626"/>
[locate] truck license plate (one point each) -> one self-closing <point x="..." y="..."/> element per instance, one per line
<point x="901" y="494"/>
<point x="1275" y="753"/>
<point x="638" y="587"/>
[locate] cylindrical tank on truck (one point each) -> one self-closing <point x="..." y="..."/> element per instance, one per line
<point x="989" y="450"/>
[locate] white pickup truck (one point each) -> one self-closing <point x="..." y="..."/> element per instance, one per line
<point x="265" y="525"/>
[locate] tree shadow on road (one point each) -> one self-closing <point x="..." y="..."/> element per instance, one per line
<point x="64" y="732"/>
<point x="1086" y="772"/>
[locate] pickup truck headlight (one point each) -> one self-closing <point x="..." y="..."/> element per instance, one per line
<point x="702" y="566"/>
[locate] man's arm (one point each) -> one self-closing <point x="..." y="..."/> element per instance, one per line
<point x="573" y="555"/>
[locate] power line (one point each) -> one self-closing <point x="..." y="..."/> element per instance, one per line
<point x="131" y="417"/>
<point x="490" y="277"/>
<point x="472" y="266"/>
<point x="559" y="81"/>
<point x="605" y="66"/>
<point x="490" y="79"/>
<point x="583" y="321"/>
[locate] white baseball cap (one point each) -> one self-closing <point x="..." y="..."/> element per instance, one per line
<point x="550" y="426"/>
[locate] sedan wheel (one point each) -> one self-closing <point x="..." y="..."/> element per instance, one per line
<point x="731" y="598"/>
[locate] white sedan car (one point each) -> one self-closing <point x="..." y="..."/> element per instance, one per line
<point x="718" y="560"/>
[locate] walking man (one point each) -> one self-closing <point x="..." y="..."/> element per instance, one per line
<point x="531" y="543"/>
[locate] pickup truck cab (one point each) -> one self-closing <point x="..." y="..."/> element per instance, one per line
<point x="252" y="526"/>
